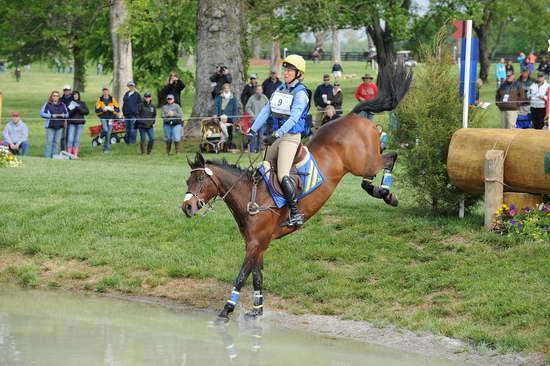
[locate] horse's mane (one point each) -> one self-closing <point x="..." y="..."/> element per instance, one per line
<point x="234" y="168"/>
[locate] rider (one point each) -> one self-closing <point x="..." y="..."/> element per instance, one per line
<point x="288" y="107"/>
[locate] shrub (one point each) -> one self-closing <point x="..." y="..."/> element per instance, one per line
<point x="7" y="159"/>
<point x="427" y="118"/>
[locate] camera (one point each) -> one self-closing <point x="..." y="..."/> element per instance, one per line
<point x="221" y="68"/>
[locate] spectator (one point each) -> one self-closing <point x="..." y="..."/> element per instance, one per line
<point x="337" y="70"/>
<point x="521" y="59"/>
<point x="220" y="78"/>
<point x="329" y="115"/>
<point x="54" y="113"/>
<point x="509" y="66"/>
<point x="17" y="73"/>
<point x="320" y="97"/>
<point x="99" y="69"/>
<point x="77" y="110"/>
<point x="544" y="67"/>
<point x="525" y="80"/>
<point x="16" y="135"/>
<point x="508" y="100"/>
<point x="66" y="99"/>
<point x="271" y="84"/>
<point x="173" y="86"/>
<point x="223" y="122"/>
<point x="226" y="103"/>
<point x="500" y="70"/>
<point x="529" y="65"/>
<point x="367" y="90"/>
<point x="253" y="107"/>
<point x="172" y="117"/>
<point x="146" y="120"/>
<point x="130" y="109"/>
<point x="383" y="138"/>
<point x="538" y="94"/>
<point x="336" y="98"/>
<point x="107" y="109"/>
<point x="249" y="89"/>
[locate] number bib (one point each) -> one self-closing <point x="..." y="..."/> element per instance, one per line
<point x="281" y="103"/>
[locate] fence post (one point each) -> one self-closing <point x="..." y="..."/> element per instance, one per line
<point x="494" y="179"/>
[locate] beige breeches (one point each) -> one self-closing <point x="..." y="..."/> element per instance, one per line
<point x="283" y="150"/>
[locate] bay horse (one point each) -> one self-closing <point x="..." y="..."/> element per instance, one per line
<point x="317" y="54"/>
<point x="349" y="144"/>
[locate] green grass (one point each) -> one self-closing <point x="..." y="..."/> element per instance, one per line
<point x="358" y="258"/>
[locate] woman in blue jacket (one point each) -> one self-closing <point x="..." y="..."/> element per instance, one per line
<point x="54" y="113"/>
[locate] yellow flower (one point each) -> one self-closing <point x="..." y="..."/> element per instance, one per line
<point x="10" y="157"/>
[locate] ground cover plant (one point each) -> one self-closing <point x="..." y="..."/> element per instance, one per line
<point x="118" y="214"/>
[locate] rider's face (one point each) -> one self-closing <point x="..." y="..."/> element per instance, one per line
<point x="290" y="75"/>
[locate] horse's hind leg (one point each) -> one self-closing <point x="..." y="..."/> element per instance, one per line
<point x="383" y="191"/>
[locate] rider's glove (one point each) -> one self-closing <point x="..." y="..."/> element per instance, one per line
<point x="269" y="140"/>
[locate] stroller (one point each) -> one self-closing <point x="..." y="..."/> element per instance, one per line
<point x="212" y="139"/>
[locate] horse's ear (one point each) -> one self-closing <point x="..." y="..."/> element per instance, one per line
<point x="189" y="162"/>
<point x="199" y="160"/>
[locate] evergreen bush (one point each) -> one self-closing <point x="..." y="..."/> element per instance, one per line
<point x="426" y="120"/>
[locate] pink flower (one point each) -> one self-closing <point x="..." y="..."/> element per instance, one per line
<point x="512" y="212"/>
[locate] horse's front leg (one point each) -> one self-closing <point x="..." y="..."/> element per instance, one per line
<point x="236" y="292"/>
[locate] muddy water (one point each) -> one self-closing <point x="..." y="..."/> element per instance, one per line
<point x="56" y="329"/>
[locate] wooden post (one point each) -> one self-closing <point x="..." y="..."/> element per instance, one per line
<point x="494" y="175"/>
<point x="1" y="100"/>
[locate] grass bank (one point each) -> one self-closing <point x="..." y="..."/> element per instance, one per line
<point x="111" y="222"/>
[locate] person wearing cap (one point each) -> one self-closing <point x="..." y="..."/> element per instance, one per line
<point x="365" y="91"/>
<point x="544" y="67"/>
<point x="253" y="107"/>
<point x="288" y="107"/>
<point x="173" y="86"/>
<point x="77" y="110"/>
<point x="130" y="109"/>
<point x="66" y="99"/>
<point x="271" y="84"/>
<point x="107" y="109"/>
<point x="16" y="135"/>
<point x="508" y="99"/>
<point x="145" y="122"/>
<point x="55" y="114"/>
<point x="336" y="98"/>
<point x="321" y="97"/>
<point x="249" y="89"/>
<point x="538" y="95"/>
<point x="172" y="117"/>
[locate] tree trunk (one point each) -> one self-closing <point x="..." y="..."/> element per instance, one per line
<point x="501" y="29"/>
<point x="320" y="38"/>
<point x="275" y="56"/>
<point x="482" y="31"/>
<point x="220" y="39"/>
<point x="336" y="57"/>
<point x="122" y="49"/>
<point x="256" y="47"/>
<point x="79" y="75"/>
<point x="383" y="41"/>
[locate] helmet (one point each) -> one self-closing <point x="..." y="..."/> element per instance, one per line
<point x="295" y="62"/>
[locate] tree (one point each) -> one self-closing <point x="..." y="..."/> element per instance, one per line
<point x="336" y="56"/>
<point x="220" y="39"/>
<point x="43" y="31"/>
<point x="123" y="71"/>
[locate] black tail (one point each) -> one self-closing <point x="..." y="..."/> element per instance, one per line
<point x="393" y="83"/>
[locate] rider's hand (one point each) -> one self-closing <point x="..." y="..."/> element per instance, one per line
<point x="269" y="140"/>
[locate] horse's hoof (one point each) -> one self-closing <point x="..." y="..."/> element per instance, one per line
<point x="254" y="313"/>
<point x="391" y="199"/>
<point x="221" y="319"/>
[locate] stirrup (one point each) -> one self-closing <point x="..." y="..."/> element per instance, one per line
<point x="294" y="220"/>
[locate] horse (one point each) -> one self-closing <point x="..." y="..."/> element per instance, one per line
<point x="317" y="54"/>
<point x="349" y="144"/>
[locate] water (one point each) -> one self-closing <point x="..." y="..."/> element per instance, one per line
<point x="57" y="328"/>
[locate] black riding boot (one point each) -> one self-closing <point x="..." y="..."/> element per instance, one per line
<point x="142" y="148"/>
<point x="296" y="217"/>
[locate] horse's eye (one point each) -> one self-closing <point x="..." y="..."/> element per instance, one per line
<point x="200" y="178"/>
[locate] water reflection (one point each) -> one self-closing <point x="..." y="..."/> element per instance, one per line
<point x="58" y="329"/>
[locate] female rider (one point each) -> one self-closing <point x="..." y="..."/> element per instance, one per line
<point x="288" y="107"/>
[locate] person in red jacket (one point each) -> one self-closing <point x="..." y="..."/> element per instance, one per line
<point x="365" y="91"/>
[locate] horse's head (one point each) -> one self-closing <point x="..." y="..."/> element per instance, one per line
<point x="201" y="186"/>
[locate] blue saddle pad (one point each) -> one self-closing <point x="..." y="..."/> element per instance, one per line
<point x="309" y="173"/>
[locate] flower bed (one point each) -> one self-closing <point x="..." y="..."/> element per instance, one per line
<point x="527" y="223"/>
<point x="7" y="159"/>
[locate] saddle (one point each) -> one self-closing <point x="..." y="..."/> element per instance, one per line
<point x="301" y="157"/>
